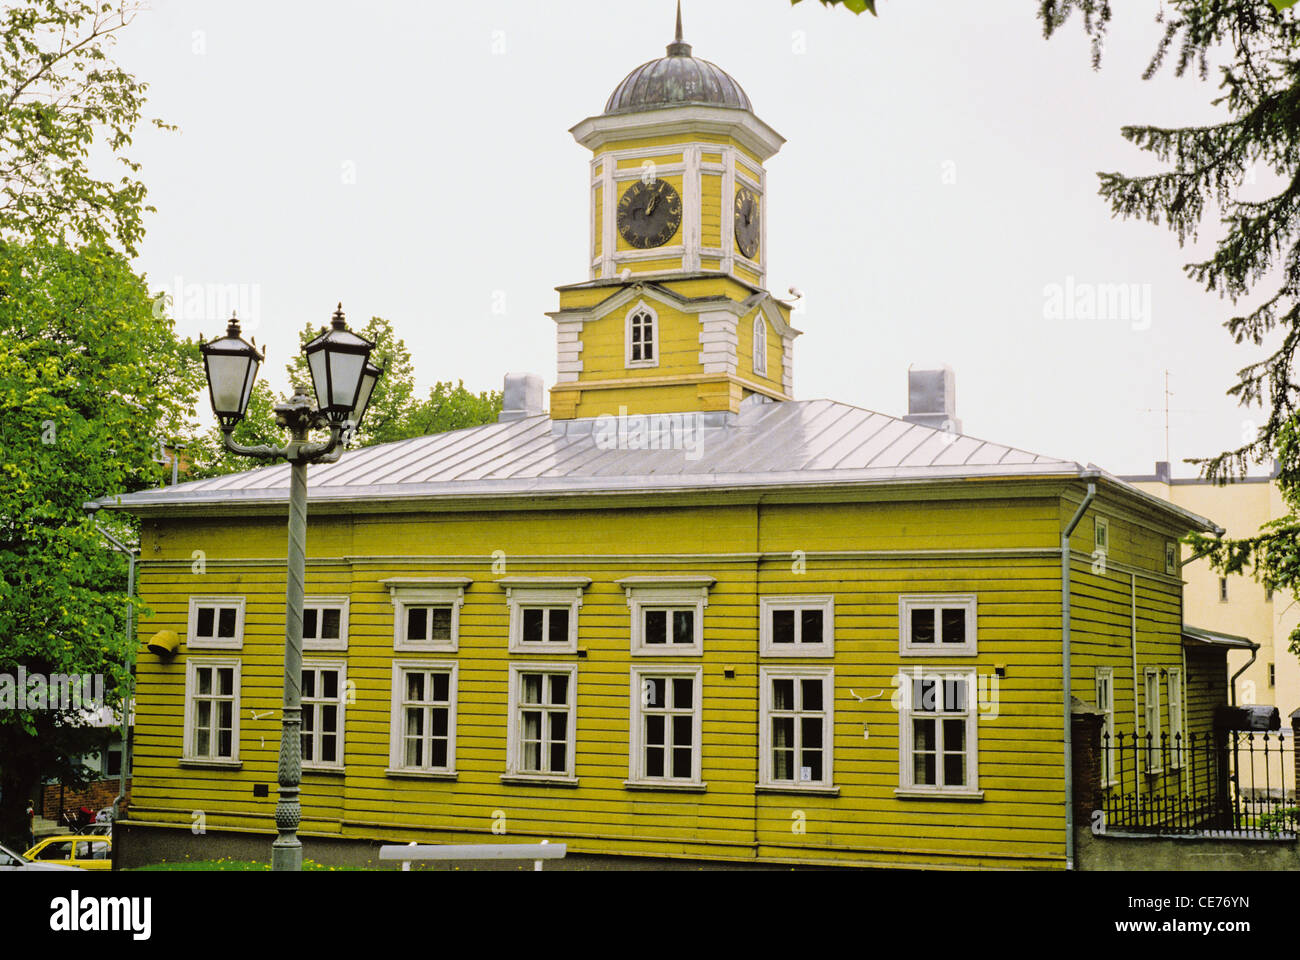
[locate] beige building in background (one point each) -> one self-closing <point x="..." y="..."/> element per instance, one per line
<point x="1237" y="604"/>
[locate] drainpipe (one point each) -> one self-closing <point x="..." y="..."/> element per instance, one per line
<point x="1232" y="684"/>
<point x="1133" y="647"/>
<point x="1091" y="477"/>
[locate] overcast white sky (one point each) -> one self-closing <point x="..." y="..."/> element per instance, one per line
<point x="412" y="159"/>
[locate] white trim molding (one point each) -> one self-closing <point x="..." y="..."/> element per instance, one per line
<point x="340" y="603"/>
<point x="397" y="726"/>
<point x="798" y="645"/>
<point x="547" y="594"/>
<point x="670" y="596"/>
<point x="316" y="701"/>
<point x="801" y="778"/>
<point x="940" y="604"/>
<point x="937" y="710"/>
<point x="214" y="640"/>
<point x="644" y="704"/>
<point x="189" y="751"/>
<point x="429" y="593"/>
<point x="641" y="308"/>
<point x="515" y="770"/>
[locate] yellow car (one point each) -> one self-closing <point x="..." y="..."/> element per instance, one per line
<point x="88" y="853"/>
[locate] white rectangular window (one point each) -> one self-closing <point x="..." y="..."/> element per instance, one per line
<point x="1171" y="557"/>
<point x="1176" y="732"/>
<point x="797" y="626"/>
<point x="1150" y="743"/>
<point x="665" y="726"/>
<point x="1105" y="684"/>
<point x="212" y="710"/>
<point x="1101" y="535"/>
<point x="324" y="695"/>
<point x="797" y="727"/>
<point x="424" y="717"/>
<point x="544" y="613"/>
<point x="936" y="625"/>
<point x="938" y="734"/>
<point x="325" y="623"/>
<point x="667" y="614"/>
<point x="426" y="614"/>
<point x="542" y="712"/>
<point x="216" y="623"/>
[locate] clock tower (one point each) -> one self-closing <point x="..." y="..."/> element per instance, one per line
<point x="675" y="316"/>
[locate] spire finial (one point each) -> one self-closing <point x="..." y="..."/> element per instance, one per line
<point x="679" y="47"/>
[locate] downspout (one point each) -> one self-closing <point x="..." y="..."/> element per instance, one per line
<point x="1091" y="495"/>
<point x="1133" y="646"/>
<point x="1232" y="684"/>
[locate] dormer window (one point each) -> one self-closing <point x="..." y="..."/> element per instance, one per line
<point x="760" y="346"/>
<point x="642" y="337"/>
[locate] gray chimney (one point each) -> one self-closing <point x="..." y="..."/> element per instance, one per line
<point x="524" y="396"/>
<point x="1163" y="473"/>
<point x="932" y="397"/>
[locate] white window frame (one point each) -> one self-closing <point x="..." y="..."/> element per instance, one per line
<point x="1104" y="679"/>
<point x="426" y="593"/>
<point x="766" y="768"/>
<point x="641" y="307"/>
<point x="194" y="642"/>
<point x="907" y="787"/>
<point x="397" y="716"/>
<point x="1177" y="733"/>
<point x="1101" y="535"/>
<point x="514" y="737"/>
<point x="636" y="728"/>
<point x="767" y="647"/>
<point x="759" y="345"/>
<point x="192" y="666"/>
<point x="1171" y="557"/>
<point x="549" y="593"/>
<point x="1151" y="755"/>
<point x="666" y="593"/>
<point x="340" y="701"/>
<point x="320" y="604"/>
<point x="937" y="601"/>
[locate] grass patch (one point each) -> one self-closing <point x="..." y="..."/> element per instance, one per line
<point x="228" y="864"/>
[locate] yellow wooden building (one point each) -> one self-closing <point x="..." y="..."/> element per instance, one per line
<point x="681" y="615"/>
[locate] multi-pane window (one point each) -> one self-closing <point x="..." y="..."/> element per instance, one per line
<point x="1151" y="716"/>
<point x="667" y="614"/>
<point x="544" y="613"/>
<point x="1171" y="557"/>
<point x="325" y="624"/>
<point x="216" y="623"/>
<point x="1105" y="691"/>
<point x="424" y="717"/>
<point x="323" y="700"/>
<point x="665" y="726"/>
<point x="938" y="734"/>
<point x="760" y="345"/>
<point x="797" y="626"/>
<point x="1101" y="535"/>
<point x="642" y="337"/>
<point x="542" y="721"/>
<point x="212" y="710"/>
<point x="1176" y="734"/>
<point x="426" y="614"/>
<point x="937" y="625"/>
<point x="797" y="727"/>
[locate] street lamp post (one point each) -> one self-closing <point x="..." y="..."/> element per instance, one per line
<point x="343" y="380"/>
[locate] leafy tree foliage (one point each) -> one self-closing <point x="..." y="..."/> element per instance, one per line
<point x="1204" y="169"/>
<point x="857" y="6"/>
<point x="89" y="378"/>
<point x="60" y="95"/>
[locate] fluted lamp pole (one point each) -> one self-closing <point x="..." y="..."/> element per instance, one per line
<point x="343" y="380"/>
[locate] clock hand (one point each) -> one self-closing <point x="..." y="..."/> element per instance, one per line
<point x="650" y="207"/>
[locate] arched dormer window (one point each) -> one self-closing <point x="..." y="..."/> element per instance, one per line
<point x="760" y="345"/>
<point x="642" y="337"/>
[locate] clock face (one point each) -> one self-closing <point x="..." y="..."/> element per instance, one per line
<point x="748" y="222"/>
<point x="649" y="214"/>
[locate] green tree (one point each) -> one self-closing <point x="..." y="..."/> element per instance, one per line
<point x="857" y="6"/>
<point x="60" y="95"/>
<point x="1204" y="169"/>
<point x="90" y="377"/>
<point x="454" y="408"/>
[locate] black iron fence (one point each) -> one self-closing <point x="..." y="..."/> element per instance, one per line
<point x="1237" y="782"/>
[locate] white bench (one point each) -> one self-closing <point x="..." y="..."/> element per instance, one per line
<point x="537" y="852"/>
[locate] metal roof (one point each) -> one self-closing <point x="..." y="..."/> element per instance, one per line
<point x="812" y="443"/>
<point x="1198" y="637"/>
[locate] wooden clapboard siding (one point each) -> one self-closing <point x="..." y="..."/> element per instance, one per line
<point x="864" y="554"/>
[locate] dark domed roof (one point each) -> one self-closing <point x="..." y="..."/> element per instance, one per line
<point x="677" y="79"/>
